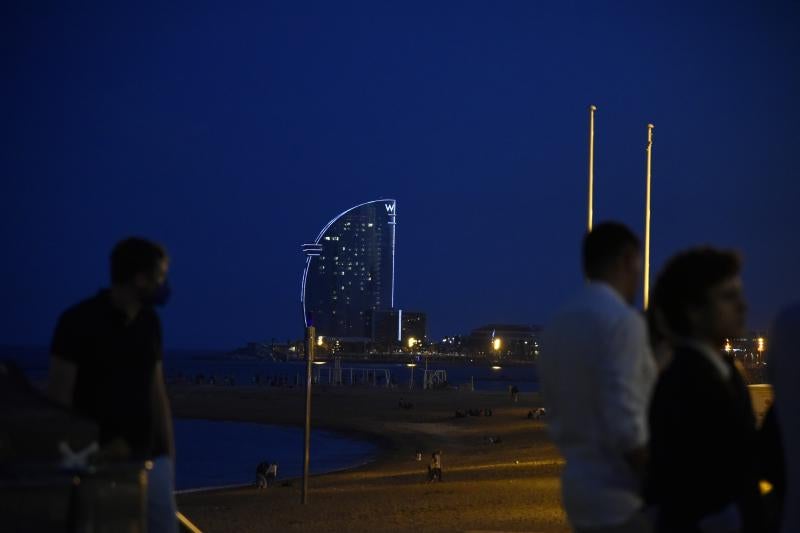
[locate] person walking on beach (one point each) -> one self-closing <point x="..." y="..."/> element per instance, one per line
<point x="597" y="374"/>
<point x="106" y="363"/>
<point x="435" y="468"/>
<point x="261" y="475"/>
<point x="703" y="473"/>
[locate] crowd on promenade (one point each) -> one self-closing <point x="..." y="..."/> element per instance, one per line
<point x="654" y="420"/>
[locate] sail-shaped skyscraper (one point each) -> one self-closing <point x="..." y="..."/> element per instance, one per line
<point x="349" y="271"/>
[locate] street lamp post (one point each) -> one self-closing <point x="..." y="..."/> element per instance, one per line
<point x="310" y="351"/>
<point x="497" y="343"/>
<point x="411" y="380"/>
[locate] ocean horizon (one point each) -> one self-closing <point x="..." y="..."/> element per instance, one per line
<point x="189" y="365"/>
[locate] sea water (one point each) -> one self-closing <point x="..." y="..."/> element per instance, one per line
<point x="217" y="454"/>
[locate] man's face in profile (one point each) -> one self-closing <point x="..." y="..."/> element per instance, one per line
<point x="149" y="284"/>
<point x="724" y="314"/>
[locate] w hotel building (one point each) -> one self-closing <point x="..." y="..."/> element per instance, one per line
<point x="349" y="272"/>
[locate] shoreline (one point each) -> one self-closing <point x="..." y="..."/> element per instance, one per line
<point x="510" y="486"/>
<point x="360" y="460"/>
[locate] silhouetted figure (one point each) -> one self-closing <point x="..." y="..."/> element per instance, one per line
<point x="435" y="467"/>
<point x="107" y="364"/>
<point x="772" y="463"/>
<point x="784" y="370"/>
<point x="261" y="475"/>
<point x="703" y="471"/>
<point x="597" y="373"/>
<point x="272" y="474"/>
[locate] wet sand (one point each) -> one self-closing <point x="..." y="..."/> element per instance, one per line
<point x="509" y="486"/>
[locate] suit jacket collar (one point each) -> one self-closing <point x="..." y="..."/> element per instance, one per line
<point x="709" y="354"/>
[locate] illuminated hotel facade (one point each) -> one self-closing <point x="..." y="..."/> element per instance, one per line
<point x="349" y="271"/>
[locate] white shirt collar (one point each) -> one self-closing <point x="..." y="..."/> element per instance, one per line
<point x="712" y="355"/>
<point x="602" y="286"/>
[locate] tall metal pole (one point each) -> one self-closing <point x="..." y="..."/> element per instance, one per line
<point x="647" y="219"/>
<point x="311" y="336"/>
<point x="592" y="109"/>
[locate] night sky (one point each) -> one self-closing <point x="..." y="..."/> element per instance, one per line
<point x="233" y="132"/>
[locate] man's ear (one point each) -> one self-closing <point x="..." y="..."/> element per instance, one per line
<point x="694" y="314"/>
<point x="140" y="279"/>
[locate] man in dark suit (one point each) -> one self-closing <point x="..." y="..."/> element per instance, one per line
<point x="703" y="470"/>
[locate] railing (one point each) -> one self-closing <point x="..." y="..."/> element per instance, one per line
<point x="353" y="376"/>
<point x="432" y="379"/>
<point x="108" y="498"/>
<point x="186" y="524"/>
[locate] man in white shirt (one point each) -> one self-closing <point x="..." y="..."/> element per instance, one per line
<point x="597" y="373"/>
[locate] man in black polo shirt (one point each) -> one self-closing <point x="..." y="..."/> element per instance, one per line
<point x="107" y="364"/>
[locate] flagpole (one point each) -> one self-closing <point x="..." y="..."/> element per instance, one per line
<point x="590" y="214"/>
<point x="647" y="218"/>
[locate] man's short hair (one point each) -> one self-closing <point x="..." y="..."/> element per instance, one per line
<point x="604" y="245"/>
<point x="686" y="279"/>
<point x="133" y="256"/>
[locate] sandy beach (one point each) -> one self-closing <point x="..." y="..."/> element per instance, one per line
<point x="509" y="486"/>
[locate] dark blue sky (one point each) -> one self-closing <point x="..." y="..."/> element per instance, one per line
<point x="233" y="132"/>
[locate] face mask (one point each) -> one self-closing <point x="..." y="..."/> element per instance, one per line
<point x="161" y="295"/>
